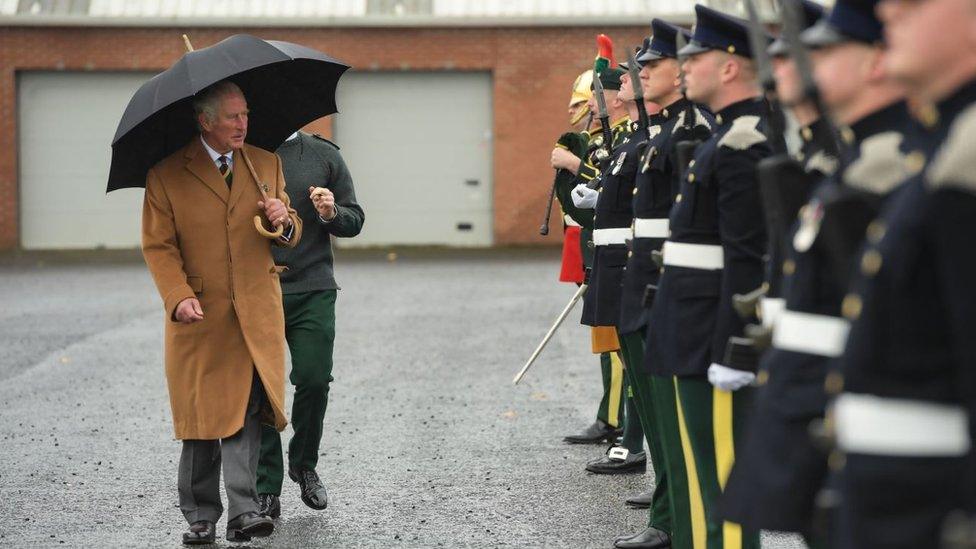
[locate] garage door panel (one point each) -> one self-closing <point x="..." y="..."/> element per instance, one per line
<point x="412" y="156"/>
<point x="66" y="124"/>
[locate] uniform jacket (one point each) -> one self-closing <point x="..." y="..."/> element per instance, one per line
<point x="198" y="239"/>
<point x="718" y="205"/>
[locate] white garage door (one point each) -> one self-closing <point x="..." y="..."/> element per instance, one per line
<point x="66" y="122"/>
<point x="419" y="148"/>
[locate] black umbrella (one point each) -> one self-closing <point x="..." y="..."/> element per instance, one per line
<point x="286" y="86"/>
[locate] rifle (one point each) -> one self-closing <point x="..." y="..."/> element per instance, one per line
<point x="638" y="87"/>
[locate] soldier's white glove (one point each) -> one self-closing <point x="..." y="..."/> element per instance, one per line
<point x="729" y="379"/>
<point x="584" y="197"/>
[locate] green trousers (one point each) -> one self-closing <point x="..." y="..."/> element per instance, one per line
<point x="310" y="332"/>
<point x="611" y="410"/>
<point x="642" y="402"/>
<point x="714" y="421"/>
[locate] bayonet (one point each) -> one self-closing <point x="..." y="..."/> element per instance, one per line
<point x="638" y="87"/>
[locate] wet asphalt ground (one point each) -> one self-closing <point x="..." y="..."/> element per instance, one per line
<point x="427" y="443"/>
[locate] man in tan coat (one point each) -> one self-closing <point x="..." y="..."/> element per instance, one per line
<point x="224" y="335"/>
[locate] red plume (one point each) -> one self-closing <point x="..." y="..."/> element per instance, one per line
<point x="605" y="47"/>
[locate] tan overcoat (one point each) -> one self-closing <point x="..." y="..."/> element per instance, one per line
<point x="198" y="239"/>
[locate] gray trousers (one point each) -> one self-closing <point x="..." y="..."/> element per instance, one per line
<point x="201" y="460"/>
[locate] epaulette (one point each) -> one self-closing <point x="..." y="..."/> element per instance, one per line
<point x="320" y="138"/>
<point x="954" y="164"/>
<point x="743" y="133"/>
<point x="821" y="162"/>
<point x="880" y="166"/>
<point x="700" y="120"/>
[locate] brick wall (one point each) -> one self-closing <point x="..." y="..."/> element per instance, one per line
<point x="533" y="69"/>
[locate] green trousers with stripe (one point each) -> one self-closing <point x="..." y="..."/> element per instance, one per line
<point x="713" y="422"/>
<point x="611" y="410"/>
<point x="310" y="332"/>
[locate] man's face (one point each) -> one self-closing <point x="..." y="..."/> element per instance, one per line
<point x="925" y="36"/>
<point x="577" y="115"/>
<point x="702" y="77"/>
<point x="227" y="131"/>
<point x="626" y="92"/>
<point x="789" y="89"/>
<point x="841" y="71"/>
<point x="660" y="78"/>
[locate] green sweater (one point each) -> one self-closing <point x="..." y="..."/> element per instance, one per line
<point x="314" y="161"/>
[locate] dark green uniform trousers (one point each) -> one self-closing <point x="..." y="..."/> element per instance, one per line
<point x="612" y="404"/>
<point x="714" y="421"/>
<point x="310" y="332"/>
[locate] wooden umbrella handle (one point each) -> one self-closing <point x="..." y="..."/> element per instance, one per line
<point x="258" y="224"/>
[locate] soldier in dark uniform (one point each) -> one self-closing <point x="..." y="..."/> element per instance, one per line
<point x="611" y="415"/>
<point x="906" y="412"/>
<point x="780" y="471"/>
<point x="656" y="184"/>
<point x="715" y="250"/>
<point x="611" y="229"/>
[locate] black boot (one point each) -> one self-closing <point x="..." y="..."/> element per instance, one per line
<point x="313" y="492"/>
<point x="270" y="505"/>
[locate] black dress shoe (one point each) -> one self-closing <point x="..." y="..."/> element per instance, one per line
<point x="270" y="505"/>
<point x="313" y="492"/>
<point x="249" y="525"/>
<point x="597" y="433"/>
<point x="641" y="500"/>
<point x="618" y="461"/>
<point x="650" y="538"/>
<point x="201" y="532"/>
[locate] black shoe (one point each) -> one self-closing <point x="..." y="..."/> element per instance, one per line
<point x="270" y="505"/>
<point x="313" y="492"/>
<point x="650" y="538"/>
<point x="597" y="433"/>
<point x="249" y="525"/>
<point x="641" y="500"/>
<point x="618" y="461"/>
<point x="201" y="532"/>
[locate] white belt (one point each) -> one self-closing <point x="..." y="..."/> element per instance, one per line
<point x="607" y="237"/>
<point x="809" y="333"/>
<point x="868" y="424"/>
<point x="651" y="228"/>
<point x="694" y="256"/>
<point x="569" y="221"/>
<point x="770" y="308"/>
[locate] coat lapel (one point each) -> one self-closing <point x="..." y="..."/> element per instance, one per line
<point x="201" y="166"/>
<point x="242" y="178"/>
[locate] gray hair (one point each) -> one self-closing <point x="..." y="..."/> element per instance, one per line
<point x="207" y="101"/>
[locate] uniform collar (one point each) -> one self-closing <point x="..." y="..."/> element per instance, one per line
<point x="894" y="116"/>
<point x="674" y="109"/>
<point x="751" y="106"/>
<point x="949" y="108"/>
<point x="625" y="120"/>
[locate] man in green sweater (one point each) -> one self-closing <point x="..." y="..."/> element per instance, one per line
<point x="321" y="191"/>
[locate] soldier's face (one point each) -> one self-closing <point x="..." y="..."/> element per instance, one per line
<point x="702" y="79"/>
<point x="577" y="115"/>
<point x="660" y="78"/>
<point x="227" y="131"/>
<point x="927" y="40"/>
<point x="626" y="92"/>
<point x="842" y="71"/>
<point x="788" y="87"/>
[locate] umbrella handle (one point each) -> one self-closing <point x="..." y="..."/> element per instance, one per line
<point x="264" y="194"/>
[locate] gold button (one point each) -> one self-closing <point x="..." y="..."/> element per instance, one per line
<point x="847" y="135"/>
<point x="677" y="199"/>
<point x="871" y="262"/>
<point x="630" y="254"/>
<point x="731" y="49"/>
<point x="664" y="113"/>
<point x="789" y="267"/>
<point x="635" y="191"/>
<point x="691" y="178"/>
<point x="718" y="119"/>
<point x="914" y="162"/>
<point x="836" y="461"/>
<point x="834" y="383"/>
<point x="691" y="163"/>
<point x="876" y="231"/>
<point x="928" y="115"/>
<point x="762" y="377"/>
<point x="600" y="190"/>
<point x="807" y="133"/>
<point x="851" y="306"/>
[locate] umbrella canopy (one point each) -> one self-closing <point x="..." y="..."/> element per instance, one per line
<point x="286" y="86"/>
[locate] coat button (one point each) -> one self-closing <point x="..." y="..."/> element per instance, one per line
<point x="789" y="267"/>
<point x="677" y="199"/>
<point x="871" y="262"/>
<point x="691" y="178"/>
<point x="630" y="254"/>
<point x="807" y="133"/>
<point x="691" y="163"/>
<point x="834" y="383"/>
<point x="915" y="161"/>
<point x="851" y="306"/>
<point x="762" y="377"/>
<point x="876" y="231"/>
<point x="634" y="192"/>
<point x="836" y="461"/>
